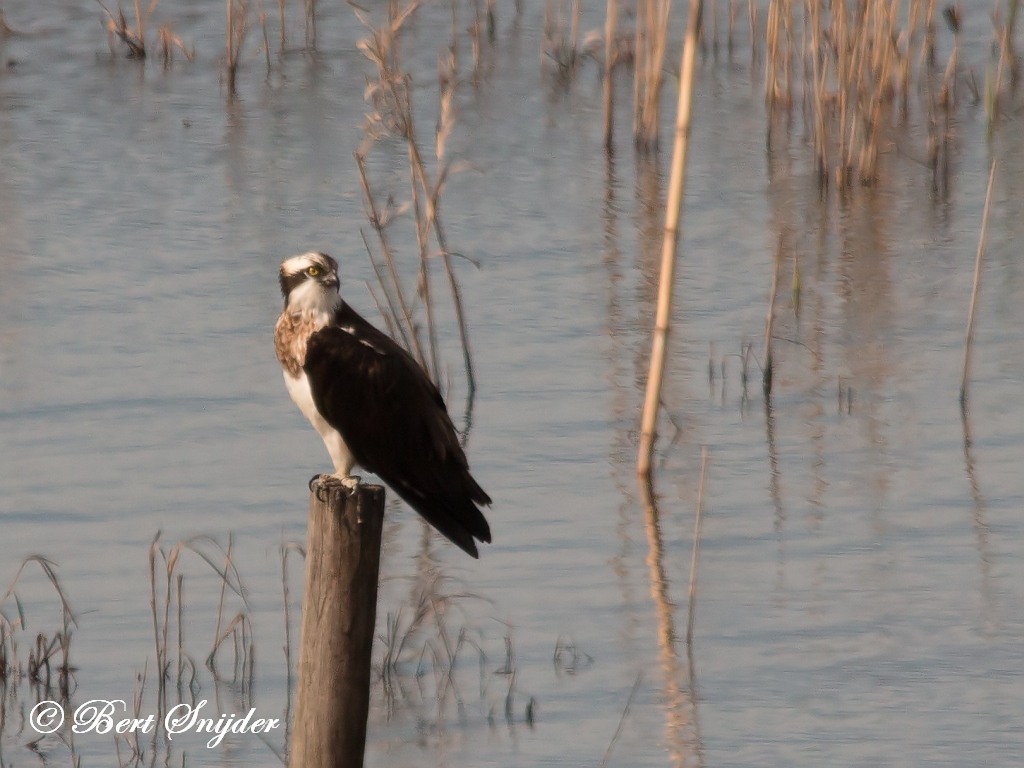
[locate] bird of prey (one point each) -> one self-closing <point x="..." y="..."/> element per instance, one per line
<point x="372" y="403"/>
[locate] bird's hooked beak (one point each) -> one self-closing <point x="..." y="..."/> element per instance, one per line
<point x="331" y="280"/>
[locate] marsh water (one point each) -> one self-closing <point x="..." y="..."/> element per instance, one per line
<point x="860" y="593"/>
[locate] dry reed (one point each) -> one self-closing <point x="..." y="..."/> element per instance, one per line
<point x="673" y="215"/>
<point x="976" y="289"/>
<point x="285" y="549"/>
<point x="651" y="40"/>
<point x="49" y="656"/>
<point x="422" y="662"/>
<point x="281" y="23"/>
<point x="861" y="66"/>
<point x="310" y="24"/>
<point x="610" y="54"/>
<point x="767" y="364"/>
<point x="237" y="28"/>
<point x="393" y="115"/>
<point x="162" y="597"/>
<point x="622" y="719"/>
<point x="559" y="40"/>
<point x="133" y="38"/>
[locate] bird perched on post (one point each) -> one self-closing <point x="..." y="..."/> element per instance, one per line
<point x="372" y="403"/>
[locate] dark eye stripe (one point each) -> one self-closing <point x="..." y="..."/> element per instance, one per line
<point x="290" y="282"/>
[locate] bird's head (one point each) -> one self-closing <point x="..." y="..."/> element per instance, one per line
<point x="310" y="282"/>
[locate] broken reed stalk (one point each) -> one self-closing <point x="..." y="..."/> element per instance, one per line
<point x="266" y="35"/>
<point x="311" y="24"/>
<point x="339" y="609"/>
<point x="948" y="93"/>
<point x="673" y="215"/>
<point x="422" y="235"/>
<point x="692" y="596"/>
<point x="409" y="334"/>
<point x="622" y="719"/>
<point x="453" y="285"/>
<point x="1005" y="42"/>
<point x="977" y="287"/>
<point x="610" y="55"/>
<point x="230" y="39"/>
<point x="238" y="25"/>
<point x="280" y="16"/>
<point x="647" y="70"/>
<point x="574" y="34"/>
<point x="769" y="322"/>
<point x="752" y="18"/>
<point x="286" y="592"/>
<point x="638" y="62"/>
<point x="139" y="21"/>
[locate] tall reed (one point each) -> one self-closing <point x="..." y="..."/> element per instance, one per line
<point x="670" y="242"/>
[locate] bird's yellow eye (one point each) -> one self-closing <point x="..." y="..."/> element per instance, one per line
<point x="313" y="271"/>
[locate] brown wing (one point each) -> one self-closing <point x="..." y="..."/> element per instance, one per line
<point x="395" y="422"/>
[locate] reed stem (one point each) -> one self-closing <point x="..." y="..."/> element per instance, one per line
<point x="673" y="214"/>
<point x="692" y="597"/>
<point x="610" y="24"/>
<point x="971" y="314"/>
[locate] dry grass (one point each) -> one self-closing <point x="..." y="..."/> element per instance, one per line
<point x="47" y="666"/>
<point x="167" y="591"/>
<point x="435" y="662"/>
<point x="433" y="656"/>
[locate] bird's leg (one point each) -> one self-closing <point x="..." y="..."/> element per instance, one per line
<point x="321" y="484"/>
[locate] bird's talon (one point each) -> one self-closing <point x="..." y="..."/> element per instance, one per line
<point x="322" y="484"/>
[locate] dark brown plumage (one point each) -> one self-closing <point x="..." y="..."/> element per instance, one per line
<point x="395" y="423"/>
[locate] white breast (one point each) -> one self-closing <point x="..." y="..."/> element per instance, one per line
<point x="298" y="388"/>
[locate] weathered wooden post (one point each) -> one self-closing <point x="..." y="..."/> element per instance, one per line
<point x="339" y="608"/>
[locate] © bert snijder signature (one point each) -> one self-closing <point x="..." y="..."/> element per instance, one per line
<point x="99" y="716"/>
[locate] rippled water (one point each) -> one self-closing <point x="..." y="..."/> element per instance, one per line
<point x="860" y="595"/>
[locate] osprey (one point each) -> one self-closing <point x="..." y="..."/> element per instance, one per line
<point x="372" y="403"/>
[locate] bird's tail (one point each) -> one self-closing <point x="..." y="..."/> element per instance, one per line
<point x="455" y="515"/>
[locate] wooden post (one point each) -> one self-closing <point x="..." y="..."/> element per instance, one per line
<point x="339" y="609"/>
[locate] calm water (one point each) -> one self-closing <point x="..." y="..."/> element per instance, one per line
<point x="861" y="583"/>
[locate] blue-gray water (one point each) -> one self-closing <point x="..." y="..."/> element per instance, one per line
<point x="860" y="597"/>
